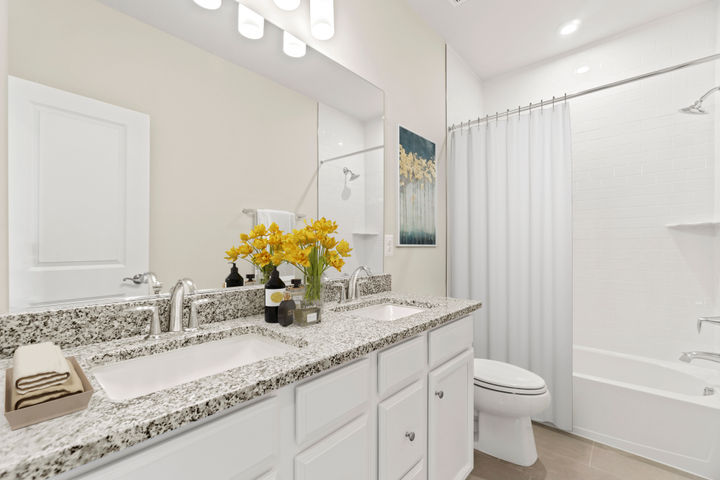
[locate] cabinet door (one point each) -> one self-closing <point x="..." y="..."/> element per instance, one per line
<point x="343" y="455"/>
<point x="401" y="432"/>
<point x="450" y="418"/>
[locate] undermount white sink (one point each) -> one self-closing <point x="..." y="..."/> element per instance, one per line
<point x="387" y="312"/>
<point x="143" y="375"/>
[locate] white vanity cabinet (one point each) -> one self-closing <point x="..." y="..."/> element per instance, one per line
<point x="402" y="413"/>
<point x="450" y="419"/>
<point x="241" y="445"/>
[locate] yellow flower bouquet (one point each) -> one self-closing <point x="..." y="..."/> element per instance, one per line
<point x="313" y="250"/>
<point x="262" y="247"/>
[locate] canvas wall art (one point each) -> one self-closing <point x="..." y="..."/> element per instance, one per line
<point x="417" y="190"/>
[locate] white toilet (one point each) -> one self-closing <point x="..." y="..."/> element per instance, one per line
<point x="506" y="397"/>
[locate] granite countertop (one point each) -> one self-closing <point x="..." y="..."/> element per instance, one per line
<point x="58" y="445"/>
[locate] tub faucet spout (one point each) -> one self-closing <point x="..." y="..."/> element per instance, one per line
<point x="690" y="356"/>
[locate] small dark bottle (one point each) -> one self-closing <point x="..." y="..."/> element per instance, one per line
<point x="274" y="294"/>
<point x="234" y="279"/>
<point x="286" y="311"/>
<point x="250" y="279"/>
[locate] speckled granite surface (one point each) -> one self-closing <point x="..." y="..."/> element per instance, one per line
<point x="58" y="445"/>
<point x="74" y="326"/>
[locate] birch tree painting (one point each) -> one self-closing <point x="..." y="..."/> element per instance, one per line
<point x="416" y="200"/>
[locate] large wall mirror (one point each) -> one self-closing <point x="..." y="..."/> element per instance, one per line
<point x="144" y="135"/>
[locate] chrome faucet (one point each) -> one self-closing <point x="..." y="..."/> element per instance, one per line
<point x="177" y="296"/>
<point x="701" y="320"/>
<point x="690" y="356"/>
<point x="353" y="290"/>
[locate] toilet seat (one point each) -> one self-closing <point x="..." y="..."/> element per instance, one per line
<point x="505" y="378"/>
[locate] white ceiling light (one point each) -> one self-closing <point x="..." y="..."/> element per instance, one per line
<point x="288" y="5"/>
<point x="322" y="19"/>
<point x="583" y="69"/>
<point x="250" y="24"/>
<point x="209" y="4"/>
<point x="293" y="46"/>
<point x="570" y="27"/>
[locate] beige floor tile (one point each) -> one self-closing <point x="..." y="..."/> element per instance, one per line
<point x="631" y="467"/>
<point x="559" y="443"/>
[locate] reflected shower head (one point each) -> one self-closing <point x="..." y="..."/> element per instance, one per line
<point x="353" y="176"/>
<point x="697" y="107"/>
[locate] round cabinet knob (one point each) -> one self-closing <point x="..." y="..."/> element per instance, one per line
<point x="440" y="394"/>
<point x="410" y="436"/>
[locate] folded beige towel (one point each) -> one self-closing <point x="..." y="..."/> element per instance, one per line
<point x="72" y="385"/>
<point x="39" y="366"/>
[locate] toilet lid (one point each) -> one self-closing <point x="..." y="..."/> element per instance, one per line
<point x="507" y="378"/>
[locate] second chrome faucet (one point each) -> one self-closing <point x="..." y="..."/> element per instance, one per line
<point x="183" y="287"/>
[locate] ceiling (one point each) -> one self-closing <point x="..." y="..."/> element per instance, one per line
<point x="314" y="75"/>
<point x="497" y="36"/>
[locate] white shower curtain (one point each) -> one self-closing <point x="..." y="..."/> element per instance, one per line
<point x="510" y="243"/>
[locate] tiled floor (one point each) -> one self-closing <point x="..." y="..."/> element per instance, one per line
<point x="566" y="457"/>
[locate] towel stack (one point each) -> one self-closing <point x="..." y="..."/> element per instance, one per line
<point x="40" y="374"/>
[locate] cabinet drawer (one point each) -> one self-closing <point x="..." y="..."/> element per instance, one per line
<point x="401" y="432"/>
<point x="345" y="454"/>
<point x="449" y="340"/>
<point x="417" y="472"/>
<point x="209" y="450"/>
<point x="331" y="400"/>
<point x="401" y="364"/>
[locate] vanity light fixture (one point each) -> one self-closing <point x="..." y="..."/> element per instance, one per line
<point x="293" y="46"/>
<point x="322" y="19"/>
<point x="209" y="4"/>
<point x="250" y="23"/>
<point x="287" y="5"/>
<point x="570" y="27"/>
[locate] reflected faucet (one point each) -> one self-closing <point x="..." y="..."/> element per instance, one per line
<point x="177" y="297"/>
<point x="147" y="277"/>
<point x="688" y="357"/>
<point x="353" y="290"/>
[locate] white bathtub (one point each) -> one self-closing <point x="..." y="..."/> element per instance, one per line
<point x="649" y="407"/>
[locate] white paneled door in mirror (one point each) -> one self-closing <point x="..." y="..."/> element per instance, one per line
<point x="79" y="197"/>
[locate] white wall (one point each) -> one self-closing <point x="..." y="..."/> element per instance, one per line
<point x="223" y="138"/>
<point x="3" y="157"/>
<point x="464" y="90"/>
<point x="386" y="43"/>
<point x="638" y="166"/>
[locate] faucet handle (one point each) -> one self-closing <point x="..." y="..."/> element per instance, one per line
<point x="194" y="322"/>
<point x="155" y="321"/>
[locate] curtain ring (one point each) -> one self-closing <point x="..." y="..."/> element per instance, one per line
<point x="507" y="115"/>
<point x="496" y="117"/>
<point x="553" y="102"/>
<point x="565" y="100"/>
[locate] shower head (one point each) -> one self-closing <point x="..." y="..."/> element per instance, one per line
<point x="697" y="107"/>
<point x="353" y="176"/>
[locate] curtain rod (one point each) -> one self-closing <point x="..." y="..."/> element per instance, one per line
<point x="566" y="97"/>
<point x="322" y="162"/>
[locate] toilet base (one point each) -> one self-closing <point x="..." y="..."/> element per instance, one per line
<point x="507" y="438"/>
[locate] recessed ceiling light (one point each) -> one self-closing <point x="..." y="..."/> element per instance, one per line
<point x="293" y="46"/>
<point x="570" y="27"/>
<point x="583" y="69"/>
<point x="209" y="4"/>
<point x="288" y="5"/>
